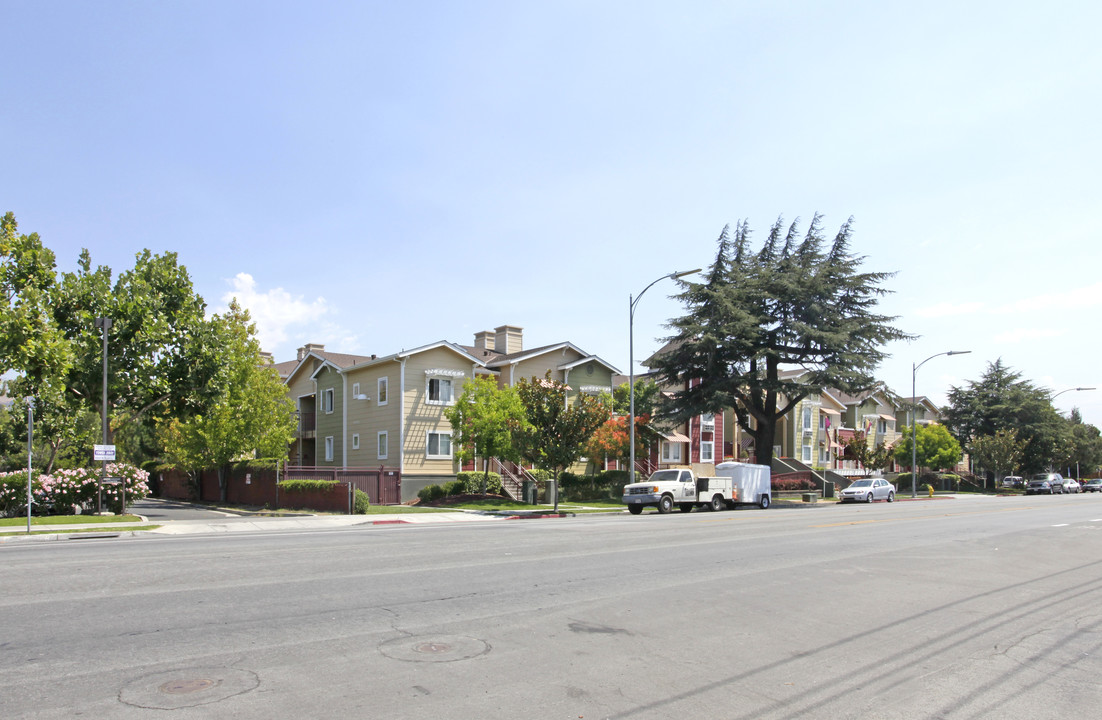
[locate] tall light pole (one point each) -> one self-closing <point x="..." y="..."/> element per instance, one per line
<point x="914" y="408"/>
<point x="103" y="323"/>
<point x="1076" y="389"/>
<point x="632" y="302"/>
<point x="30" y="454"/>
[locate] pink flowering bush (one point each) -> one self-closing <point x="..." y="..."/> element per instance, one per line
<point x="66" y="492"/>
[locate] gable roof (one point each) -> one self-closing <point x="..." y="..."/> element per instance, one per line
<point x="367" y="362"/>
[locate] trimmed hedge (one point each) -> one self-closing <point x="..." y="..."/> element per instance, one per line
<point x="307" y="485"/>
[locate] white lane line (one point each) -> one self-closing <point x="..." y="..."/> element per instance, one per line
<point x="1061" y="525"/>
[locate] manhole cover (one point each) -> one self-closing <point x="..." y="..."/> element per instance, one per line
<point x="187" y="687"/>
<point x="180" y="687"/>
<point x="437" y="648"/>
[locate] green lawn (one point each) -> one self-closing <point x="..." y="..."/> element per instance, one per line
<point x="68" y="520"/>
<point x="63" y="531"/>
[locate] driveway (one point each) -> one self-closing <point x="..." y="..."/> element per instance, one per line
<point x="158" y="510"/>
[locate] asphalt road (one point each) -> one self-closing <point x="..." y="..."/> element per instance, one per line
<point x="969" y="608"/>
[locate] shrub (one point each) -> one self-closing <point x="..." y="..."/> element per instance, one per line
<point x="472" y="481"/>
<point x="793" y="485"/>
<point x="361" y="503"/>
<point x="455" y="487"/>
<point x="306" y="485"/>
<point x="540" y="475"/>
<point x="13" y="492"/>
<point x="431" y="493"/>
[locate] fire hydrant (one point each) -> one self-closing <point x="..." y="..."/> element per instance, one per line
<point x="931" y="489"/>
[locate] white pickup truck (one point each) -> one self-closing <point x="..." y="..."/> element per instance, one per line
<point x="735" y="483"/>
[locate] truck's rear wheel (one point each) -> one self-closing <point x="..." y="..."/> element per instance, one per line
<point x="665" y="504"/>
<point x="764" y="502"/>
<point x="635" y="509"/>
<point x="717" y="503"/>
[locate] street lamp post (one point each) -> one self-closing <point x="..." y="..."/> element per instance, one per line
<point x="30" y="455"/>
<point x="914" y="420"/>
<point x="632" y="302"/>
<point x="1075" y="389"/>
<point x="104" y="323"/>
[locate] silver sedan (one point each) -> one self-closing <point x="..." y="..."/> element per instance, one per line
<point x="868" y="490"/>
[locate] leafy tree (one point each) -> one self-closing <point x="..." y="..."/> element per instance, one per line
<point x="867" y="456"/>
<point x="935" y="448"/>
<point x="249" y="412"/>
<point x="1084" y="450"/>
<point x="1002" y="400"/>
<point x="795" y="302"/>
<point x="483" y="421"/>
<point x="613" y="440"/>
<point x="557" y="431"/>
<point x="647" y="395"/>
<point x="1001" y="453"/>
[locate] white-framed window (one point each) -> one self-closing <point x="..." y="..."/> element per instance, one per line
<point x="882" y="426"/>
<point x="327" y="401"/>
<point x="355" y="389"/>
<point x="382" y="445"/>
<point x="671" y="451"/>
<point x="439" y="445"/>
<point x="439" y="391"/>
<point x="382" y="394"/>
<point x="822" y="422"/>
<point x="807" y="417"/>
<point x="355" y="441"/>
<point x="824" y="455"/>
<point x="708" y="421"/>
<point x="806" y="455"/>
<point x="707" y="451"/>
<point x="329" y="448"/>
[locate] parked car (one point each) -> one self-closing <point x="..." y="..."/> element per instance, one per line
<point x="1045" y="484"/>
<point x="867" y="490"/>
<point x="1071" y="485"/>
<point x="1013" y="481"/>
<point x="1093" y="485"/>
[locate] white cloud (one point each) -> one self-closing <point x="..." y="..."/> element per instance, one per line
<point x="1023" y="334"/>
<point x="1081" y="297"/>
<point x="275" y="310"/>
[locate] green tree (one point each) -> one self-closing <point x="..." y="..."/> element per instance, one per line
<point x="483" y="421"/>
<point x="248" y="413"/>
<point x="795" y="302"/>
<point x="1084" y="450"/>
<point x="1002" y="400"/>
<point x="557" y="430"/>
<point x="935" y="448"/>
<point x="868" y="457"/>
<point x="1001" y="452"/>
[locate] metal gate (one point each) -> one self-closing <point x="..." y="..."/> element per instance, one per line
<point x="383" y="485"/>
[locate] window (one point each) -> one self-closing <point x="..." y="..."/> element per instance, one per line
<point x="329" y="448"/>
<point x="439" y="445"/>
<point x="708" y="421"/>
<point x="355" y="441"/>
<point x="882" y="426"/>
<point x="824" y="456"/>
<point x="382" y="391"/>
<point x="671" y="451"/>
<point x="822" y="423"/>
<point x="707" y="452"/>
<point x="382" y="445"/>
<point x="327" y="401"/>
<point x="807" y="417"/>
<point x="355" y="390"/>
<point x="806" y="454"/>
<point x="440" y="391"/>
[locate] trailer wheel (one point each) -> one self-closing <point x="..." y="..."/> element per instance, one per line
<point x="764" y="502"/>
<point x="665" y="504"/>
<point x="635" y="509"/>
<point x="717" y="503"/>
<point x="685" y="507"/>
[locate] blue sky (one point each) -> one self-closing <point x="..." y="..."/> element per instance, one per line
<point x="376" y="176"/>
